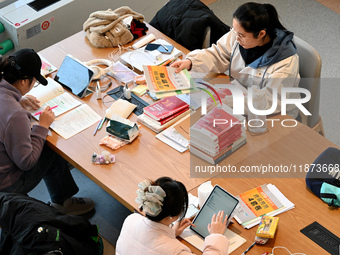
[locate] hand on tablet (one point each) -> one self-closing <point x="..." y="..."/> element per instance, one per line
<point x="218" y="223"/>
<point x="179" y="226"/>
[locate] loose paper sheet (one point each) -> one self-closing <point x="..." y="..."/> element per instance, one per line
<point x="75" y="121"/>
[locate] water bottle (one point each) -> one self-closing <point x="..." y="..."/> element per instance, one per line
<point x="257" y="123"/>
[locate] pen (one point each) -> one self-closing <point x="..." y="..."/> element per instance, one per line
<point x="164" y="47"/>
<point x="37" y="113"/>
<point x="251" y="246"/>
<point x="102" y="123"/>
<point x="97" y="128"/>
<point x="168" y="61"/>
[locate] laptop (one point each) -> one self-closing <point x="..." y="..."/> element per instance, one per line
<point x="219" y="199"/>
<point x="75" y="76"/>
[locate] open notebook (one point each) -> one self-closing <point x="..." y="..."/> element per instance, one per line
<point x="72" y="116"/>
<point x="138" y="58"/>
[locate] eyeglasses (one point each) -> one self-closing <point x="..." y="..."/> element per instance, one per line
<point x="36" y="83"/>
<point x="238" y="35"/>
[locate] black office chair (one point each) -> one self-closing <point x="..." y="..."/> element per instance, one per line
<point x="190" y="23"/>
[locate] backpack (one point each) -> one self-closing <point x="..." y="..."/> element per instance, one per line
<point x="31" y="227"/>
<point x="323" y="177"/>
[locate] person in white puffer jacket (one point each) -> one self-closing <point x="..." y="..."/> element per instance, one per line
<point x="163" y="202"/>
<point x="257" y="51"/>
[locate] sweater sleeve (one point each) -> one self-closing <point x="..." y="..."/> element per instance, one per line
<point x="215" y="59"/>
<point x="216" y="244"/>
<point x="23" y="144"/>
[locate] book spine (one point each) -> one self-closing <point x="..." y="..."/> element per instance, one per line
<point x="155" y="126"/>
<point x="225" y="155"/>
<point x="163" y="121"/>
<point x="206" y="134"/>
<point x="146" y="122"/>
<point x="201" y="155"/>
<point x="207" y="153"/>
<point x="166" y="124"/>
<point x="164" y="115"/>
<point x="217" y="146"/>
<point x="210" y="152"/>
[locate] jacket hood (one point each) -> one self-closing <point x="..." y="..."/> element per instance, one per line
<point x="282" y="48"/>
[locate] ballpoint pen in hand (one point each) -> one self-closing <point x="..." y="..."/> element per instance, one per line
<point x="37" y="113"/>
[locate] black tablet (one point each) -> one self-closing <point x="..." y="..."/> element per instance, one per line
<point x="219" y="199"/>
<point x="75" y="76"/>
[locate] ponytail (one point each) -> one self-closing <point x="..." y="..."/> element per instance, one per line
<point x="273" y="17"/>
<point x="255" y="17"/>
<point x="175" y="202"/>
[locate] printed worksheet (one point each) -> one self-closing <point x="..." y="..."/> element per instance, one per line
<point x="75" y="121"/>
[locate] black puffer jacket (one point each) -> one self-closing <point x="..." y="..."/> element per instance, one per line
<point x="185" y="22"/>
<point x="32" y="227"/>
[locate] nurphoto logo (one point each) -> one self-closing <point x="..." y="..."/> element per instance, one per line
<point x="239" y="99"/>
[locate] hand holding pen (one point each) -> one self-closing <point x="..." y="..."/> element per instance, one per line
<point x="51" y="108"/>
<point x="46" y="117"/>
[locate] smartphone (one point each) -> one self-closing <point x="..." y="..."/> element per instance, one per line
<point x="165" y="49"/>
<point x="192" y="211"/>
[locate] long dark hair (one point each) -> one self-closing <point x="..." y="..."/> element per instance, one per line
<point x="176" y="200"/>
<point x="255" y="17"/>
<point x="10" y="73"/>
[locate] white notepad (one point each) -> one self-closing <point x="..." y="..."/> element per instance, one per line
<point x="138" y="58"/>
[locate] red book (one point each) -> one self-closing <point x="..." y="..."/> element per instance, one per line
<point x="213" y="150"/>
<point x="207" y="130"/>
<point x="165" y="108"/>
<point x="167" y="119"/>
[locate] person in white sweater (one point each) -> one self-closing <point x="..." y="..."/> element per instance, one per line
<point x="258" y="50"/>
<point x="163" y="202"/>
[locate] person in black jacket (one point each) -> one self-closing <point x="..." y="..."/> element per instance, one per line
<point x="185" y="22"/>
<point x="29" y="226"/>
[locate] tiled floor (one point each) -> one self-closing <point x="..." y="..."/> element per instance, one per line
<point x="331" y="4"/>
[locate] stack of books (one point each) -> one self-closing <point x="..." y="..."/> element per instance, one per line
<point x="163" y="113"/>
<point x="217" y="134"/>
<point x="264" y="200"/>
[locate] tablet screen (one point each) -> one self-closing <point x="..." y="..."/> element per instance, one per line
<point x="219" y="199"/>
<point x="75" y="76"/>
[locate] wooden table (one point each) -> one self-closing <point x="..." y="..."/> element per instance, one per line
<point x="300" y="147"/>
<point x="147" y="157"/>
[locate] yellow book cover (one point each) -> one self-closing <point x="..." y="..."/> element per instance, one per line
<point x="164" y="78"/>
<point x="258" y="201"/>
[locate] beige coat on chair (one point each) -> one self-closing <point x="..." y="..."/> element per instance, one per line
<point x="106" y="28"/>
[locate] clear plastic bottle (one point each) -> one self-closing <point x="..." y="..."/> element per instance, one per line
<point x="257" y="123"/>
